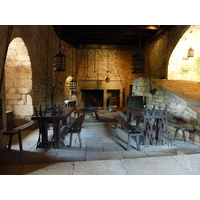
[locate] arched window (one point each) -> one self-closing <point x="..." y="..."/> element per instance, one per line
<point x="18" y="80"/>
<point x="184" y="63"/>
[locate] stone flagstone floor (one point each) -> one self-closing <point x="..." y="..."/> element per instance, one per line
<point x="103" y="153"/>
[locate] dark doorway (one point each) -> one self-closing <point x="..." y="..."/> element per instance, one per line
<point x="92" y="98"/>
<point x="113" y="93"/>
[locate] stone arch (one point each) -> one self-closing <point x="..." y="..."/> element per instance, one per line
<point x="68" y="93"/>
<point x="18" y="81"/>
<point x="181" y="66"/>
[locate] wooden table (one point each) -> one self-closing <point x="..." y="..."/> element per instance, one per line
<point x="154" y="124"/>
<point x="57" y="122"/>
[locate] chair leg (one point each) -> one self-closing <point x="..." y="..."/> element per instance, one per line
<point x="137" y="142"/>
<point x="20" y="141"/>
<point x="79" y="137"/>
<point x="70" y="141"/>
<point x="115" y="124"/>
<point x="176" y="134"/>
<point x="128" y="143"/>
<point x="97" y="115"/>
<point x="10" y="142"/>
<point x="183" y="132"/>
<point x="184" y="135"/>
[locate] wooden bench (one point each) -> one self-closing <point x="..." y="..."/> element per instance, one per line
<point x="76" y="128"/>
<point x="18" y="130"/>
<point x="179" y="127"/>
<point x="133" y="131"/>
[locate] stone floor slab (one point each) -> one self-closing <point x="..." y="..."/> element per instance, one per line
<point x="42" y="159"/>
<point x="191" y="162"/>
<point x="92" y="141"/>
<point x="72" y="159"/>
<point x="135" y="154"/>
<point x="88" y="133"/>
<point x="157" y="153"/>
<point x="103" y="155"/>
<point x="109" y="139"/>
<point x="189" y="151"/>
<point x="10" y="169"/>
<point x="61" y="168"/>
<point x="110" y="146"/>
<point x="155" y="166"/>
<point x="14" y="157"/>
<point x="95" y="149"/>
<point x="72" y="153"/>
<point x="105" y="167"/>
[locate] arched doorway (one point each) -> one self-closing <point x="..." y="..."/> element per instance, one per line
<point x="69" y="94"/>
<point x="18" y="81"/>
<point x="183" y="66"/>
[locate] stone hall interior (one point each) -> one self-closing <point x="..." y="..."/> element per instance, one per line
<point x="103" y="66"/>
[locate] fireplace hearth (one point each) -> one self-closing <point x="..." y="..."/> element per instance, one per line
<point x="92" y="98"/>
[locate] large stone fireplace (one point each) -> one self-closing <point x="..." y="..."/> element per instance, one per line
<point x="91" y="94"/>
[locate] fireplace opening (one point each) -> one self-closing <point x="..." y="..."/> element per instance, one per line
<point x="92" y="98"/>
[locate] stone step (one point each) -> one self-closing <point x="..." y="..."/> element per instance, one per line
<point x="187" y="151"/>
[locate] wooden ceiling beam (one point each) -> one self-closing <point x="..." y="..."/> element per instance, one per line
<point x="106" y="34"/>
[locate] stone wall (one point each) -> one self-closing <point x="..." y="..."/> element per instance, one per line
<point x="177" y="106"/>
<point x="93" y="62"/>
<point x="42" y="44"/>
<point x="159" y="51"/>
<point x="181" y="66"/>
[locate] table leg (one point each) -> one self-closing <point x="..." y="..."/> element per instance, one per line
<point x="70" y="119"/>
<point x="20" y="141"/>
<point x="97" y="115"/>
<point x="44" y="132"/>
<point x="56" y="133"/>
<point x="158" y="130"/>
<point x="150" y="131"/>
<point x="164" y="129"/>
<point x="128" y="117"/>
<point x="138" y="121"/>
<point x="70" y="141"/>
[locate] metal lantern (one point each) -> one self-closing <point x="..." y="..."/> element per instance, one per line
<point x="190" y="52"/>
<point x="72" y="84"/>
<point x="138" y="63"/>
<point x="59" y="62"/>
<point x="107" y="78"/>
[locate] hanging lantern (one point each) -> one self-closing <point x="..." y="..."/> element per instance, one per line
<point x="107" y="78"/>
<point x="138" y="63"/>
<point x="138" y="60"/>
<point x="190" y="52"/>
<point x="59" y="62"/>
<point x="72" y="84"/>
